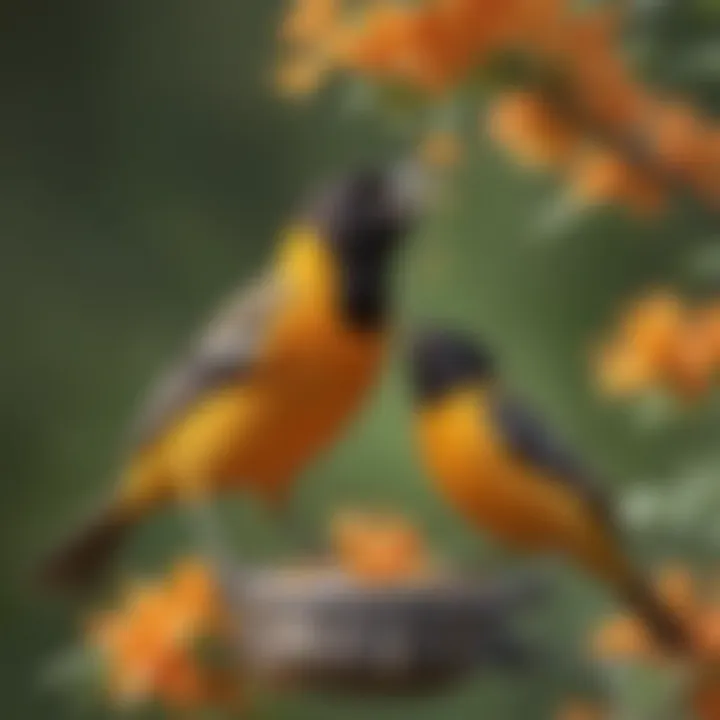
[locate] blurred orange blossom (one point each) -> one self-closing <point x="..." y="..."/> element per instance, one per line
<point x="149" y="642"/>
<point x="433" y="46"/>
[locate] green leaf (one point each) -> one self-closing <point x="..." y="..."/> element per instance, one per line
<point x="704" y="263"/>
<point x="710" y="6"/>
<point x="79" y="666"/>
<point x="78" y="674"/>
<point x="558" y="219"/>
<point x="358" y="96"/>
<point x="215" y="653"/>
<point x="642" y="508"/>
<point x="654" y="411"/>
<point x="702" y="63"/>
<point x="642" y="692"/>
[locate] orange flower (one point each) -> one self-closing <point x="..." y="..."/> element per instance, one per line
<point x="622" y="370"/>
<point x="626" y="638"/>
<point x="583" y="41"/>
<point x="383" y="42"/>
<point x="615" y="100"/>
<point x="691" y="363"/>
<point x="433" y="45"/>
<point x="528" y="127"/>
<point x="707" y="175"/>
<point x="586" y="46"/>
<point x="647" y="338"/>
<point x="677" y="587"/>
<point x="469" y="28"/>
<point x="622" y="638"/>
<point x="308" y="21"/>
<point x="708" y="633"/>
<point x="148" y="644"/>
<point x="194" y="596"/>
<point x="309" y="30"/>
<point x="707" y="320"/>
<point x="663" y="343"/>
<point x="599" y="176"/>
<point x="472" y="31"/>
<point x="135" y="646"/>
<point x="181" y="684"/>
<point x="377" y="548"/>
<point x="678" y="137"/>
<point x="300" y="76"/>
<point x="602" y="176"/>
<point x="705" y="700"/>
<point x="654" y="323"/>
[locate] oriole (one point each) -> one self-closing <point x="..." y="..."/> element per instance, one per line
<point x="503" y="469"/>
<point x="275" y="376"/>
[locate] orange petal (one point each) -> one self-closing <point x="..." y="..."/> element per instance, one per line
<point x="529" y="128"/>
<point x="654" y="325"/>
<point x="677" y="587"/>
<point x="623" y="371"/>
<point x="379" y="44"/>
<point x="705" y="700"/>
<point x="603" y="176"/>
<point x="309" y="20"/>
<point x="691" y="364"/>
<point x="623" y="638"/>
<point x="677" y="134"/>
<point x="301" y="76"/>
<point x="181" y="684"/>
<point x="707" y="631"/>
<point x="193" y="589"/>
<point x="378" y="548"/>
<point x="708" y="324"/>
<point x="348" y="529"/>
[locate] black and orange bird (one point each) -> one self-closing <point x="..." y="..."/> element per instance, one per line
<point x="507" y="474"/>
<point x="275" y="376"/>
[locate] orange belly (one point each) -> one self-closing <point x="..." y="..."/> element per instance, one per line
<point x="310" y="376"/>
<point x="260" y="434"/>
<point x="488" y="485"/>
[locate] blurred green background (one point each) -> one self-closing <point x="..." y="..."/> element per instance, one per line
<point x="146" y="167"/>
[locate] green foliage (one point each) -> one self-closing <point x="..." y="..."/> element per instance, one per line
<point x="77" y="679"/>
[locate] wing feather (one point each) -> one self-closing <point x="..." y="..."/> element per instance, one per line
<point x="229" y="348"/>
<point x="529" y="438"/>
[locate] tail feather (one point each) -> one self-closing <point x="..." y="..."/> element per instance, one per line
<point x="80" y="561"/>
<point x="668" y="629"/>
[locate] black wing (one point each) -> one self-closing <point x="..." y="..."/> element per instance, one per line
<point x="229" y="348"/>
<point x="528" y="437"/>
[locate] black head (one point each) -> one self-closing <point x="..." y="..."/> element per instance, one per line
<point x="364" y="217"/>
<point x="443" y="360"/>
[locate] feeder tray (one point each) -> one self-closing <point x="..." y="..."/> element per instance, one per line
<point x="319" y="628"/>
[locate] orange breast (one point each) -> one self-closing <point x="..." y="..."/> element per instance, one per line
<point x="301" y="410"/>
<point x="490" y="486"/>
<point x="311" y="378"/>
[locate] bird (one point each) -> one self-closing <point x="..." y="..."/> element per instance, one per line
<point x="503" y="469"/>
<point x="276" y="374"/>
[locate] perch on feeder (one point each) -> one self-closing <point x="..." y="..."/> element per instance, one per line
<point x="381" y="615"/>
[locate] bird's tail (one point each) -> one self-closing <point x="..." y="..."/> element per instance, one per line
<point x="610" y="563"/>
<point x="668" y="629"/>
<point x="84" y="556"/>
